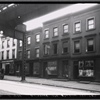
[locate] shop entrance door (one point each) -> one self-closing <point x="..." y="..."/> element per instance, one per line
<point x="7" y="69"/>
<point x="75" y="70"/>
<point x="44" y="69"/>
<point x="65" y="69"/>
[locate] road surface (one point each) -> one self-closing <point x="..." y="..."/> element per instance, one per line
<point x="20" y="88"/>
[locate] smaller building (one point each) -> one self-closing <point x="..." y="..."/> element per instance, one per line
<point x="8" y="54"/>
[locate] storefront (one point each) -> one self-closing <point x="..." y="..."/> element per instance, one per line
<point x="36" y="69"/>
<point x="50" y="69"/>
<point x="84" y="70"/>
<point x="8" y="67"/>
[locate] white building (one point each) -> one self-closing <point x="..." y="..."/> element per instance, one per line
<point x="8" y="53"/>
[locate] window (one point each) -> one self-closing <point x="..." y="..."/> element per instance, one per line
<point x="90" y="23"/>
<point x="8" y="43"/>
<point x="77" y="27"/>
<point x="20" y="43"/>
<point x="2" y="55"/>
<point x="2" y="44"/>
<point x="29" y="40"/>
<point x="65" y="28"/>
<point x="13" y="53"/>
<point x="86" y="68"/>
<point x="77" y="46"/>
<point x="46" y="49"/>
<point x="37" y="52"/>
<point x="55" y="31"/>
<point x="55" y="48"/>
<point x="20" y="54"/>
<point x="14" y="42"/>
<point x="65" y="47"/>
<point x="90" y="45"/>
<point x="27" y="70"/>
<point x="28" y="53"/>
<point x="38" y="38"/>
<point x="46" y="34"/>
<point x="7" y="54"/>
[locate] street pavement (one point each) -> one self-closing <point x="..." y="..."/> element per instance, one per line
<point x="20" y="88"/>
<point x="87" y="86"/>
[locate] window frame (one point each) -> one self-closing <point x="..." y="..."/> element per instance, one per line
<point x="20" y="43"/>
<point x="36" y="38"/>
<point x="55" y="32"/>
<point x="14" y="43"/>
<point x="94" y="44"/>
<point x="53" y="48"/>
<point x="2" y="55"/>
<point x="28" y="54"/>
<point x="13" y="53"/>
<point x="37" y="53"/>
<point x="87" y="24"/>
<point x="7" y="54"/>
<point x="80" y="50"/>
<point x="48" y="49"/>
<point x="63" y="47"/>
<point x="45" y="34"/>
<point x="28" y="40"/>
<point x="65" y="29"/>
<point x="3" y="44"/>
<point x="74" y="27"/>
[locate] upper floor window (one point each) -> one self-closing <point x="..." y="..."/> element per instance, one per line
<point x="77" y="48"/>
<point x="14" y="42"/>
<point x="46" y="34"/>
<point x="7" y="54"/>
<point x="20" y="43"/>
<point x="2" y="55"/>
<point x="77" y="27"/>
<point x="90" y="23"/>
<point x="46" y="49"/>
<point x="8" y="43"/>
<point x="38" y="38"/>
<point x="65" y="47"/>
<point x="55" y="48"/>
<point x="13" y="53"/>
<point x="90" y="45"/>
<point x="2" y="44"/>
<point x="20" y="54"/>
<point x="37" y="52"/>
<point x="28" y="53"/>
<point x="55" y="31"/>
<point x="65" y="28"/>
<point x="28" y="40"/>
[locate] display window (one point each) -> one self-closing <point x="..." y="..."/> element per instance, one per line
<point x="52" y="68"/>
<point x="86" y="68"/>
<point x="36" y="68"/>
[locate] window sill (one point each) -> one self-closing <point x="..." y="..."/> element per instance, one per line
<point x="78" y="32"/>
<point x="46" y="38"/>
<point x="65" y="53"/>
<point x="90" y="29"/>
<point x="90" y="52"/>
<point x="64" y="34"/>
<point x="54" y="36"/>
<point x="77" y="53"/>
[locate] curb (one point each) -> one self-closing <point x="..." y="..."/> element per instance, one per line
<point x="55" y="85"/>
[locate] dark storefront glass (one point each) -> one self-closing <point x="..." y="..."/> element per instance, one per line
<point x="36" y="68"/>
<point x="11" y="68"/>
<point x="27" y="69"/>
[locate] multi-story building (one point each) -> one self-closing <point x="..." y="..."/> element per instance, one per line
<point x="8" y="54"/>
<point x="66" y="47"/>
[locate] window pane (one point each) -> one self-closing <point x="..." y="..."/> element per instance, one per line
<point x="76" y="46"/>
<point x="55" y="48"/>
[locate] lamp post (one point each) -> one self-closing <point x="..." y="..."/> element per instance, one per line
<point x="23" y="57"/>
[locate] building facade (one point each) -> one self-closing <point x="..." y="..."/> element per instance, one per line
<point x="66" y="47"/>
<point x="8" y="54"/>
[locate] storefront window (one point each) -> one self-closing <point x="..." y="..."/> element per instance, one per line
<point x="36" y="68"/>
<point x="27" y="69"/>
<point x="86" y="68"/>
<point x="11" y="69"/>
<point x="52" y="68"/>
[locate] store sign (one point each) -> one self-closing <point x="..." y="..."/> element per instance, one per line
<point x="52" y="68"/>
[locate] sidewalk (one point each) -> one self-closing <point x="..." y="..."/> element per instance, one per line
<point x="94" y="87"/>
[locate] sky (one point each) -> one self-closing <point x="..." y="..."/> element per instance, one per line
<point x="38" y="22"/>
